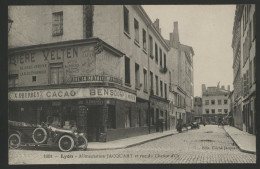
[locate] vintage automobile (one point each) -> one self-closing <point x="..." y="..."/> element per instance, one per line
<point x="21" y="133"/>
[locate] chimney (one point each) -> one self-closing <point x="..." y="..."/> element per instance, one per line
<point x="203" y="88"/>
<point x="176" y="40"/>
<point x="223" y="87"/>
<point x="228" y="87"/>
<point x="156" y="24"/>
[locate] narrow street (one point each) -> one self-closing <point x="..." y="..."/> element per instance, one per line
<point x="209" y="144"/>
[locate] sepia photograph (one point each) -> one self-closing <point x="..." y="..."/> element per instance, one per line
<point x="132" y="84"/>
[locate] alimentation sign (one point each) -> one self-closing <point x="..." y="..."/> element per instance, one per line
<point x="71" y="93"/>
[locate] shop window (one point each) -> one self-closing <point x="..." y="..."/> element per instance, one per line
<point x="151" y="80"/>
<point x="207" y="111"/>
<point x="127" y="70"/>
<point x="225" y="101"/>
<point x="212" y="102"/>
<point x="126" y="20"/>
<point x="206" y="102"/>
<point x="137" y="76"/>
<point x="219" y="102"/>
<point x="220" y="110"/>
<point x="128" y="118"/>
<point x="156" y="53"/>
<point x="136" y="26"/>
<point x="111" y="120"/>
<point x="160" y="57"/>
<point x="56" y="73"/>
<point x="57" y="23"/>
<point x="226" y="111"/>
<point x="151" y="46"/>
<point x="152" y="116"/>
<point x="212" y="111"/>
<point x="157" y="85"/>
<point x="144" y="39"/>
<point x="12" y="80"/>
<point x="145" y="80"/>
<point x="161" y="88"/>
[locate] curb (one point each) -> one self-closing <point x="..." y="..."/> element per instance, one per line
<point x="131" y="145"/>
<point x="239" y="147"/>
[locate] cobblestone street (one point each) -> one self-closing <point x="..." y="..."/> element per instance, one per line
<point x="209" y="144"/>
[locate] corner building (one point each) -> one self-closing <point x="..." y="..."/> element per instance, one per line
<point x="99" y="67"/>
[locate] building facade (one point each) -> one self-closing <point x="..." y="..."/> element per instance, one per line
<point x="215" y="103"/>
<point x="111" y="79"/>
<point x="198" y="109"/>
<point x="244" y="67"/>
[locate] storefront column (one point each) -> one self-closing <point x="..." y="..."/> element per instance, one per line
<point x="82" y="119"/>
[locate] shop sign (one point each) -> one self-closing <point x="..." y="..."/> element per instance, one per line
<point x="94" y="102"/>
<point x="71" y="93"/>
<point x="96" y="78"/>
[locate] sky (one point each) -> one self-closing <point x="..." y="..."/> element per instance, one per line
<point x="208" y="29"/>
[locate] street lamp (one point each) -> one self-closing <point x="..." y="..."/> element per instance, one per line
<point x="10" y="22"/>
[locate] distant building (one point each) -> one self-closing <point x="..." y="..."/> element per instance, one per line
<point x="215" y="103"/>
<point x="197" y="109"/>
<point x="244" y="67"/>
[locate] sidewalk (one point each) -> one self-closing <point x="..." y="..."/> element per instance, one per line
<point x="128" y="142"/>
<point x="245" y="141"/>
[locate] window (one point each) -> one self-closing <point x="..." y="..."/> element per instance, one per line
<point x="127" y="70"/>
<point x="161" y="88"/>
<point x="157" y="85"/>
<point x="160" y="57"/>
<point x="212" y="102"/>
<point x="165" y="90"/>
<point x="220" y="110"/>
<point x="151" y="78"/>
<point x="225" y="101"/>
<point x="254" y="69"/>
<point x="57" y="23"/>
<point x="156" y="53"/>
<point x="219" y="102"/>
<point x="170" y="77"/>
<point x="250" y="73"/>
<point x="126" y="20"/>
<point x="33" y="78"/>
<point x="145" y="80"/>
<point x="207" y="111"/>
<point x="254" y="26"/>
<point x="206" y="102"/>
<point x="144" y="39"/>
<point x="137" y="76"/>
<point x="151" y="46"/>
<point x="164" y="60"/>
<point x="128" y="118"/>
<point x="136" y="25"/>
<point x="111" y="117"/>
<point x="244" y="86"/>
<point x="56" y="73"/>
<point x="213" y="111"/>
<point x="12" y="80"/>
<point x="226" y="110"/>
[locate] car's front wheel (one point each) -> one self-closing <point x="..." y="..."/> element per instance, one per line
<point x="14" y="141"/>
<point x="66" y="143"/>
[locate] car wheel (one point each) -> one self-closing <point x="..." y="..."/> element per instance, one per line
<point x="39" y="135"/>
<point x="82" y="143"/>
<point x="66" y="143"/>
<point x="14" y="141"/>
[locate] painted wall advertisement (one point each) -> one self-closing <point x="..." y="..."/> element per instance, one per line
<point x="71" y="93"/>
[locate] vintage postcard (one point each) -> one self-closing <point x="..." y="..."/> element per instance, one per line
<point x="102" y="84"/>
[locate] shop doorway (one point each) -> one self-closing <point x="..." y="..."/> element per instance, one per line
<point x="94" y="122"/>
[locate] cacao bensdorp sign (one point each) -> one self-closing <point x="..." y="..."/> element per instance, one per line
<point x="71" y="93"/>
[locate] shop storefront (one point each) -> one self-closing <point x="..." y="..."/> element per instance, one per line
<point x="92" y="110"/>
